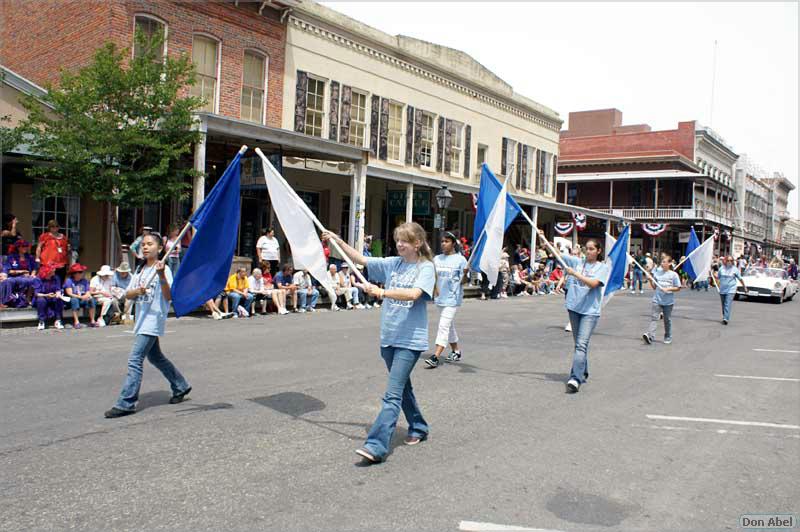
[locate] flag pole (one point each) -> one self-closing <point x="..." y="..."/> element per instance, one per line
<point x="314" y="219"/>
<point x="180" y="236"/>
<point x="546" y="242"/>
<point x="475" y="245"/>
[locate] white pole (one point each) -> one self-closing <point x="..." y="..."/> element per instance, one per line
<point x="475" y="245"/>
<point x="314" y="219"/>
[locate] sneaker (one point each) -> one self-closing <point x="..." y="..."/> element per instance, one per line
<point x="432" y="362"/>
<point x="368" y="456"/>
<point x="59" y="325"/>
<point x="175" y="399"/>
<point x="349" y="306"/>
<point x="414" y="440"/>
<point x="336" y="308"/>
<point x="646" y="338"/>
<point x="117" y="412"/>
<point x="668" y="340"/>
<point x="41" y="326"/>
<point x="360" y="306"/>
<point x="283" y="312"/>
<point x="724" y="322"/>
<point x="573" y="386"/>
<point x="641" y="291"/>
<point x="302" y="311"/>
<point x="568" y="328"/>
<point x="101" y="322"/>
<point x="311" y="309"/>
<point x="242" y="312"/>
<point x="454" y="356"/>
<point x="376" y="305"/>
<point x="216" y="315"/>
<point x="227" y="315"/>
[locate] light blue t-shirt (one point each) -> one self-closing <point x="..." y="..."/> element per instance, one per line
<point x="581" y="298"/>
<point x="727" y="279"/>
<point x="665" y="279"/>
<point x="404" y="323"/>
<point x="151" y="308"/>
<point x="449" y="274"/>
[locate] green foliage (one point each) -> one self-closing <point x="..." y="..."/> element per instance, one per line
<point x="9" y="137"/>
<point x="117" y="128"/>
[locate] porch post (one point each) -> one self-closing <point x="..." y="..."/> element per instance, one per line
<point x="610" y="194"/>
<point x="361" y="207"/>
<point x="656" y="195"/>
<point x="199" y="184"/>
<point x="535" y="218"/>
<point x="409" y="201"/>
<point x="355" y="235"/>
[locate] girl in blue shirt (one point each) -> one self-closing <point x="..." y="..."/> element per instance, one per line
<point x="152" y="298"/>
<point x="410" y="282"/>
<point x="584" y="302"/>
<point x="663" y="299"/>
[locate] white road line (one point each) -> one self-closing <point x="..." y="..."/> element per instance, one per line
<point x="725" y="421"/>
<point x="478" y="527"/>
<point x="758" y="378"/>
<point x="776" y="350"/>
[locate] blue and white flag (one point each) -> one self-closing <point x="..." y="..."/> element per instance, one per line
<point x="610" y="243"/>
<point x="205" y="268"/>
<point x="487" y="197"/>
<point x="698" y="257"/>
<point x="489" y="262"/>
<point x="617" y="260"/>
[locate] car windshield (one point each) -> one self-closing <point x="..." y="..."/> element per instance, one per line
<point x="775" y="273"/>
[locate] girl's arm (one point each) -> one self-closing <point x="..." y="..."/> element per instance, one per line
<point x="399" y="294"/>
<point x="588" y="281"/>
<point x="351" y="252"/>
<point x="162" y="276"/>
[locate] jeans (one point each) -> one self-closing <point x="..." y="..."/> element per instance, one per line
<point x="727" y="302"/>
<point x="446" y="333"/>
<point x="49" y="308"/>
<point x="75" y="303"/>
<point x="637" y="279"/>
<point x="399" y="394"/>
<point x="173" y="263"/>
<point x="237" y="299"/>
<point x="655" y="312"/>
<point x="582" y="327"/>
<point x="147" y="346"/>
<point x="302" y="296"/>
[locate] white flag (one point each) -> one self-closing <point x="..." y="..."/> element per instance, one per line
<point x="701" y="259"/>
<point x="495" y="228"/>
<point x="297" y="222"/>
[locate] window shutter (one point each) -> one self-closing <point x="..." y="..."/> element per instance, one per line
<point x="384" y="131"/>
<point x="418" y="137"/>
<point x="448" y="145"/>
<point x="467" y="145"/>
<point x="523" y="167"/>
<point x="333" y="130"/>
<point x="344" y="122"/>
<point x="300" y="101"/>
<point x="555" y="173"/>
<point x="440" y="144"/>
<point x="409" y="135"/>
<point x="503" y="162"/>
<point x="538" y="172"/>
<point x="519" y="165"/>
<point x="374" y="124"/>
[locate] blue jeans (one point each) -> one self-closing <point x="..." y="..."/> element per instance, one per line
<point x="75" y="303"/>
<point x="173" y="263"/>
<point x="302" y="296"/>
<point x="237" y="299"/>
<point x="399" y="394"/>
<point x="147" y="346"/>
<point x="582" y="327"/>
<point x="727" y="302"/>
<point x="637" y="279"/>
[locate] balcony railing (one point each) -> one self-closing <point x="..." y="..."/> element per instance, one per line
<point x="669" y="213"/>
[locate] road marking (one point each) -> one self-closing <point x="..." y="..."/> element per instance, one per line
<point x="757" y="378"/>
<point x="776" y="350"/>
<point x="475" y="526"/>
<point x="719" y="431"/>
<point x="725" y="421"/>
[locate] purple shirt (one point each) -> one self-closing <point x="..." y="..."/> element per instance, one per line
<point x="15" y="261"/>
<point x="46" y="286"/>
<point x="78" y="288"/>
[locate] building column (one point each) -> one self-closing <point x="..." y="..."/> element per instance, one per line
<point x="409" y="202"/>
<point x="611" y="194"/>
<point x="705" y="200"/>
<point x="656" y="195"/>
<point x="199" y="183"/>
<point x="358" y="184"/>
<point x="534" y="240"/>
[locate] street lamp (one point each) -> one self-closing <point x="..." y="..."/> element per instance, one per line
<point x="443" y="200"/>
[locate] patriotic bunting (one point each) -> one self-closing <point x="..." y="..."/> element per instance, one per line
<point x="654" y="229"/>
<point x="580" y="220"/>
<point x="564" y="228"/>
<point x="716" y="233"/>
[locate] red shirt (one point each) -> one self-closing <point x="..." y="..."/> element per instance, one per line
<point x="55" y="249"/>
<point x="556" y="275"/>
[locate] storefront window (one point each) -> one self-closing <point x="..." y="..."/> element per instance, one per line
<point x="66" y="210"/>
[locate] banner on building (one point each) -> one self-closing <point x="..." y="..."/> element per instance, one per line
<point x="654" y="229"/>
<point x="564" y="228"/>
<point x="580" y="220"/>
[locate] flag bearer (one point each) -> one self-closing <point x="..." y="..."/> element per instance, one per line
<point x="663" y="299"/>
<point x="584" y="302"/>
<point x="152" y="306"/>
<point x="727" y="277"/>
<point x="410" y="281"/>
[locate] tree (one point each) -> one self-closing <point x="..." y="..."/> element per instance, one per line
<point x="117" y="128"/>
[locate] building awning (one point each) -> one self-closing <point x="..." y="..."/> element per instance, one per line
<point x="271" y="139"/>
<point x="467" y="188"/>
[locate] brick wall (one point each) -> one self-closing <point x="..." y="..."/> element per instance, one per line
<point x="38" y="41"/>
<point x="679" y="140"/>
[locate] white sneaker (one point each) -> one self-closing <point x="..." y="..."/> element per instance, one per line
<point x="568" y="328"/>
<point x="376" y="305"/>
<point x="302" y="311"/>
<point x="283" y="312"/>
<point x="216" y="315"/>
<point x="59" y="325"/>
<point x="360" y="306"/>
<point x="311" y="309"/>
<point x="41" y="326"/>
<point x="641" y="291"/>
<point x="573" y="386"/>
<point x="336" y="308"/>
<point x="242" y="312"/>
<point x="101" y="322"/>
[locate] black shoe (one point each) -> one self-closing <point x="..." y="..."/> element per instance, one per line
<point x="455" y="356"/>
<point x="647" y="339"/>
<point x="116" y="412"/>
<point x="175" y="399"/>
<point x="573" y="386"/>
<point x="432" y="362"/>
<point x="724" y="322"/>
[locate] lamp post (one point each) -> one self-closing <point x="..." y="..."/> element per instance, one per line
<point x="443" y="200"/>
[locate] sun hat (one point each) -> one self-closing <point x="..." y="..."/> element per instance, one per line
<point x="124" y="267"/>
<point x="76" y="268"/>
<point x="22" y="244"/>
<point x="105" y="270"/>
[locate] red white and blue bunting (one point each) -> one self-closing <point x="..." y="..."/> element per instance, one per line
<point x="716" y="233"/>
<point x="580" y="220"/>
<point x="654" y="229"/>
<point x="564" y="228"/>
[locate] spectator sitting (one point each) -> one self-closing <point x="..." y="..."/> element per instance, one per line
<point x="261" y="294"/>
<point x="306" y="291"/>
<point x="352" y="290"/>
<point x="21" y="269"/>
<point x="100" y="288"/>
<point x="336" y="282"/>
<point x="516" y="285"/>
<point x="119" y="285"/>
<point x="216" y="313"/>
<point x="278" y="294"/>
<point x="285" y="281"/>
<point x="77" y="289"/>
<point x="238" y="293"/>
<point x="556" y="277"/>
<point x="7" y="295"/>
<point x="55" y="249"/>
<point x="47" y="290"/>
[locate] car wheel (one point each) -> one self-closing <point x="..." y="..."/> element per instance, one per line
<point x="736" y="297"/>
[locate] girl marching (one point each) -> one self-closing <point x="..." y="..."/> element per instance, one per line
<point x="152" y="296"/>
<point x="663" y="299"/>
<point x="584" y="302"/>
<point x="410" y="281"/>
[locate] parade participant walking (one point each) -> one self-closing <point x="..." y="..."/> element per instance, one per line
<point x="152" y="296"/>
<point x="410" y="281"/>
<point x="451" y="274"/>
<point x="663" y="299"/>
<point x="584" y="302"/>
<point x="727" y="276"/>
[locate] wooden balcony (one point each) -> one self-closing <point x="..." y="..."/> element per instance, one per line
<point x="667" y="214"/>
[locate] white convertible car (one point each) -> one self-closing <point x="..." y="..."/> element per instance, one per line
<point x="767" y="283"/>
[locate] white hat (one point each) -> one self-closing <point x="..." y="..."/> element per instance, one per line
<point x="105" y="270"/>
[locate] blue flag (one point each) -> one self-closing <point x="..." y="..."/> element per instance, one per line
<point x="617" y="263"/>
<point x="487" y="196"/>
<point x="693" y="244"/>
<point x="204" y="270"/>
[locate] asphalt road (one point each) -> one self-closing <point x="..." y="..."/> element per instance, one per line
<point x="280" y="404"/>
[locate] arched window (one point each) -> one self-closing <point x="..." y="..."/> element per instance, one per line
<point x="150" y="26"/>
<point x="205" y="57"/>
<point x="254" y="86"/>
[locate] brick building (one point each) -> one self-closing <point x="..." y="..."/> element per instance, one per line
<point x="681" y="177"/>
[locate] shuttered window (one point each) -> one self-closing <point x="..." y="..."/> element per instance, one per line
<point x="205" y="53"/>
<point x="427" y="141"/>
<point x="456" y="149"/>
<point x="395" y="132"/>
<point x="315" y="107"/>
<point x="358" y="119"/>
<point x="253" y="87"/>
